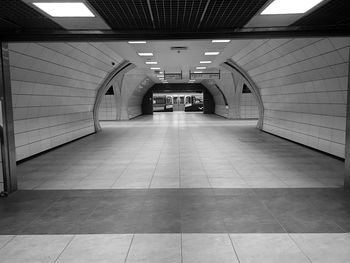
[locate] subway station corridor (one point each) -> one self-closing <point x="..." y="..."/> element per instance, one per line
<point x="178" y="187"/>
<point x="174" y="131"/>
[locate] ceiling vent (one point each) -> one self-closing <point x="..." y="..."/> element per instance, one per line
<point x="178" y="48"/>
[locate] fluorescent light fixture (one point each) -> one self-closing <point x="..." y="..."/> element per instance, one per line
<point x="201" y="67"/>
<point x="282" y="7"/>
<point x="145" y="54"/>
<point x="160" y="76"/>
<point x="137" y="42"/>
<point x="198" y="72"/>
<point x="211" y="53"/>
<point x="220" y="41"/>
<point x="151" y="62"/>
<point x="205" y="62"/>
<point x="65" y="9"/>
<point x="155" y="68"/>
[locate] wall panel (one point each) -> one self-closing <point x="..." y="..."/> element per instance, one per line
<point x="303" y="83"/>
<point x="53" y="89"/>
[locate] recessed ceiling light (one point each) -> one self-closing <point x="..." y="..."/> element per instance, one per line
<point x="220" y="41"/>
<point x="281" y="7"/>
<point x="145" y="54"/>
<point x="137" y="42"/>
<point x="65" y="9"/>
<point x="205" y="62"/>
<point x="201" y="67"/>
<point x="155" y="68"/>
<point x="211" y="53"/>
<point x="198" y="72"/>
<point x="151" y="62"/>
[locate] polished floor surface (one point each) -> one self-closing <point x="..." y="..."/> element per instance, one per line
<point x="180" y="150"/>
<point x="299" y="210"/>
<point x="178" y="187"/>
<point x="177" y="248"/>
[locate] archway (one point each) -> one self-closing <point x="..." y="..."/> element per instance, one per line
<point x="245" y="79"/>
<point x="115" y="79"/>
<point x="179" y="88"/>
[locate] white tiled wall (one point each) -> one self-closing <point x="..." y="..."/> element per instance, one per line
<point x="108" y="108"/>
<point x="54" y="87"/>
<point x="303" y="83"/>
<point x="135" y="85"/>
<point x="248" y="106"/>
<point x="220" y="108"/>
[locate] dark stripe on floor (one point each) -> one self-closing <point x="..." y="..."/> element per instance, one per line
<point x="292" y="210"/>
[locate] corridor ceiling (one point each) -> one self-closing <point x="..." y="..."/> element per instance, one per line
<point x="171" y="19"/>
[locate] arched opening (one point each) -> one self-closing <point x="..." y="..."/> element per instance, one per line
<point x="248" y="106"/>
<point x="178" y="98"/>
<point x="245" y="78"/>
<point x="108" y="106"/>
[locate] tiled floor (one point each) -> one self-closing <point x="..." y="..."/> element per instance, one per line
<point x="180" y="150"/>
<point x="303" y="210"/>
<point x="186" y="248"/>
<point x="178" y="187"/>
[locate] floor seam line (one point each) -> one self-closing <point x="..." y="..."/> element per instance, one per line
<point x="301" y="250"/>
<point x="155" y="167"/>
<point x="12" y="238"/>
<point x="60" y="254"/>
<point x="233" y="247"/>
<point x="127" y="253"/>
<point x="182" y="259"/>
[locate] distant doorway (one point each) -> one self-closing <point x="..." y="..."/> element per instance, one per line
<point x="185" y="102"/>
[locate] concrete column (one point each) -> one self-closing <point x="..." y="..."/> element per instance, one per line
<point x="8" y="141"/>
<point x="347" y="138"/>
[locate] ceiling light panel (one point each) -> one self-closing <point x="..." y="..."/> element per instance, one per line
<point x="65" y="9"/>
<point x="201" y="67"/>
<point x="220" y="41"/>
<point x="211" y="53"/>
<point x="205" y="62"/>
<point x="282" y="7"/>
<point x="155" y="68"/>
<point x="151" y="62"/>
<point x="149" y="54"/>
<point x="137" y="42"/>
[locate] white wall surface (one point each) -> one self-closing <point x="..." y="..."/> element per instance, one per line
<point x="303" y="83"/>
<point x="54" y="87"/>
<point x="127" y="99"/>
<point x="108" y="108"/>
<point x="221" y="108"/>
<point x="248" y="106"/>
<point x="135" y="86"/>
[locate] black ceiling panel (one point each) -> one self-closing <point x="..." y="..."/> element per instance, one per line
<point x="16" y="14"/>
<point x="335" y="12"/>
<point x="184" y="15"/>
<point x="227" y="14"/>
<point x="124" y="14"/>
<point x="172" y="19"/>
